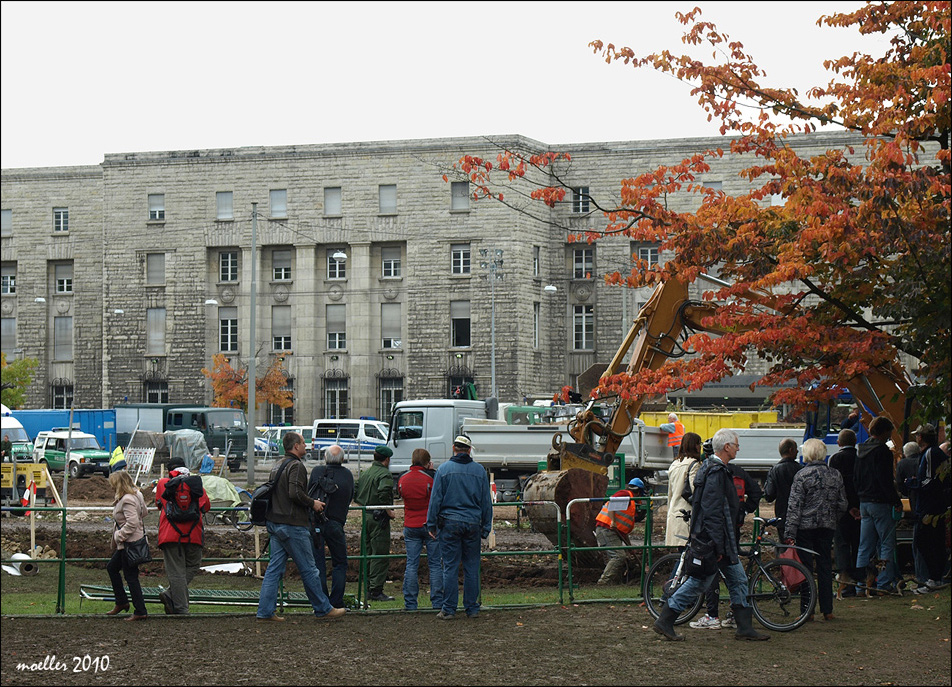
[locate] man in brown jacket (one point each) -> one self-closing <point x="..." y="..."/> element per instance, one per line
<point x="289" y="527"/>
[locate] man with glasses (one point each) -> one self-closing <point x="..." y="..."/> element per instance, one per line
<point x="715" y="510"/>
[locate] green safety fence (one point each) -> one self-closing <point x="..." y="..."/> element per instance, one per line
<point x="564" y="552"/>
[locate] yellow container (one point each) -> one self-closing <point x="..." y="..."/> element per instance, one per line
<point x="706" y="424"/>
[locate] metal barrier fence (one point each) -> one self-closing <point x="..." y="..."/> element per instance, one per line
<point x="564" y="552"/>
<point x="362" y="583"/>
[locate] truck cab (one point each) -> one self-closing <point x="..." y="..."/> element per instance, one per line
<point x="431" y="424"/>
<point x="86" y="456"/>
<point x="224" y="428"/>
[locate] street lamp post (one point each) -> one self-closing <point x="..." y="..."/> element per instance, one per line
<point x="492" y="262"/>
<point x="252" y="353"/>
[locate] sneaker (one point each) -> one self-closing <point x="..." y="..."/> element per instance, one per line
<point x="443" y="615"/>
<point x="706" y="623"/>
<point x="729" y="622"/>
<point x="935" y="585"/>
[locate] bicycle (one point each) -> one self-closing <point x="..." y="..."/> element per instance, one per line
<point x="777" y="605"/>
<point x="239" y="517"/>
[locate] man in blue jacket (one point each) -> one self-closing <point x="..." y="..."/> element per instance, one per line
<point x="460" y="514"/>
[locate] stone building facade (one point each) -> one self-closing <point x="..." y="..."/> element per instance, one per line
<point x="375" y="279"/>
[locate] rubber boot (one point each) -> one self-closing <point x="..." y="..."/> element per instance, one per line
<point x="664" y="625"/>
<point x="743" y="615"/>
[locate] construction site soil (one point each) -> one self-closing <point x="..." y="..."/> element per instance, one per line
<point x="893" y="640"/>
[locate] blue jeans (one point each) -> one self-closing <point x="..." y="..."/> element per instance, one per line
<point x="737" y="585"/>
<point x="877" y="539"/>
<point x="459" y="542"/>
<point x="416" y="538"/>
<point x="295" y="541"/>
<point x="331" y="535"/>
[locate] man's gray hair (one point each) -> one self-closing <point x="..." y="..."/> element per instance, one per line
<point x="814" y="451"/>
<point x="333" y="455"/>
<point x="722" y="438"/>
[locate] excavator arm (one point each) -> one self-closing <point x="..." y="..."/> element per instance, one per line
<point x="653" y="339"/>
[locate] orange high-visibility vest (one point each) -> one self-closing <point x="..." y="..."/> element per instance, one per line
<point x="674" y="439"/>
<point x="624" y="520"/>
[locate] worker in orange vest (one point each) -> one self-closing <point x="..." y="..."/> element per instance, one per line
<point x="613" y="525"/>
<point x="675" y="430"/>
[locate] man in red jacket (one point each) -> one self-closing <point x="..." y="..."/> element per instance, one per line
<point x="181" y="540"/>
<point x="415" y="487"/>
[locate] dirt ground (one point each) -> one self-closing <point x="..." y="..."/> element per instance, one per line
<point x="883" y="641"/>
<point x="874" y="642"/>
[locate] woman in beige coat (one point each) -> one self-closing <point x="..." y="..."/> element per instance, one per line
<point x="129" y="511"/>
<point x="682" y="471"/>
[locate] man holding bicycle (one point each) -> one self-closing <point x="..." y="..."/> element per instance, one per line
<point x="715" y="510"/>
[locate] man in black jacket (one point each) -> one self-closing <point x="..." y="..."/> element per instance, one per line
<point x="846" y="534"/>
<point x="715" y="513"/>
<point x="779" y="480"/>
<point x="336" y="483"/>
<point x="876" y="488"/>
<point x="289" y="525"/>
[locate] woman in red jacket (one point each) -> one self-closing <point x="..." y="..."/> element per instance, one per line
<point x="415" y="488"/>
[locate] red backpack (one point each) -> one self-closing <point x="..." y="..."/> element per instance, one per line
<point x="181" y="497"/>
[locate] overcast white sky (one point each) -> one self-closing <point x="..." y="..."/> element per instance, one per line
<point x="81" y="79"/>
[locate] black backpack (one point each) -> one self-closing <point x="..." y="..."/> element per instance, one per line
<point x="181" y="497"/>
<point x="261" y="499"/>
<point x="319" y="490"/>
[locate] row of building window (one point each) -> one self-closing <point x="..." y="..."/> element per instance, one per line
<point x="281" y="261"/>
<point x="333" y="207"/>
<point x="583" y="319"/>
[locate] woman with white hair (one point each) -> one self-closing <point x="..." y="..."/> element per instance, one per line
<point x="817" y="498"/>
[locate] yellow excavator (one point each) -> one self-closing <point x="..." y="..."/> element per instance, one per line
<point x="579" y="468"/>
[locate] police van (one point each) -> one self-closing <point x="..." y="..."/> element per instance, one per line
<point x="360" y="435"/>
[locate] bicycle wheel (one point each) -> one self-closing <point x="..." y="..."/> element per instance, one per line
<point x="241" y="519"/>
<point x="777" y="606"/>
<point x="657" y="588"/>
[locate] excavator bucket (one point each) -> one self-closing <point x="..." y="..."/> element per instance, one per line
<point x="584" y="474"/>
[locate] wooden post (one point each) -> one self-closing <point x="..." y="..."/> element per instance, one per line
<point x="52" y="487"/>
<point x="257" y="552"/>
<point x="491" y="539"/>
<point x="32" y="520"/>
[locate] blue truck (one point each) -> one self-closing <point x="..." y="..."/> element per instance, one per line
<point x="100" y="422"/>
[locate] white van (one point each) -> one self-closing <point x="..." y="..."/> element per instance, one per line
<point x="362" y="435"/>
<point x="12" y="428"/>
<point x="273" y="437"/>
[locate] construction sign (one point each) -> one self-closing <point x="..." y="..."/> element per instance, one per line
<point x="34" y="472"/>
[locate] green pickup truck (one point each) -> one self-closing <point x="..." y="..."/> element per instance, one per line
<point x="86" y="456"/>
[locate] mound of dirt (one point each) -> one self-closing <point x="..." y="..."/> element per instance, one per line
<point x="93" y="488"/>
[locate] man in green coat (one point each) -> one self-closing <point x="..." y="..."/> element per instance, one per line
<point x="375" y="488"/>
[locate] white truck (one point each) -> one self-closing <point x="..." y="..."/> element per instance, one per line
<point x="512" y="452"/>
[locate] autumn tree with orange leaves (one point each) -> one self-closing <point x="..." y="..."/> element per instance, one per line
<point x="857" y="256"/>
<point x="230" y="386"/>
